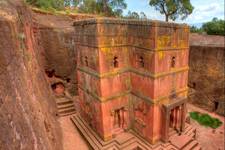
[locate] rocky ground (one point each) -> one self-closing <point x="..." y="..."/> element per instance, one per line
<point x="208" y="138"/>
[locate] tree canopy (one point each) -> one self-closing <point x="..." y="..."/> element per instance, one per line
<point x="135" y="15"/>
<point x="195" y="29"/>
<point x="47" y="4"/>
<point x="173" y="9"/>
<point x="214" y="27"/>
<point x="104" y="7"/>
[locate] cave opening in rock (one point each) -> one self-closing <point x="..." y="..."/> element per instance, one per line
<point x="50" y="73"/>
<point x="193" y="85"/>
<point x="216" y="104"/>
<point x="68" y="80"/>
<point x="58" y="88"/>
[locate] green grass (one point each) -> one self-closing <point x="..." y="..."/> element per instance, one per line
<point x="205" y="120"/>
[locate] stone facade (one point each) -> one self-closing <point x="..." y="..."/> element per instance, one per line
<point x="132" y="75"/>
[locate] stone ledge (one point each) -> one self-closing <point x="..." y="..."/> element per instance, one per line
<point x="105" y="20"/>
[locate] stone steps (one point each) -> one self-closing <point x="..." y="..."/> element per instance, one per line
<point x="97" y="143"/>
<point x="198" y="147"/>
<point x="94" y="144"/>
<point x="190" y="134"/>
<point x="189" y="131"/>
<point x="65" y="106"/>
<point x="191" y="145"/>
<point x="129" y="140"/>
<point x="94" y="140"/>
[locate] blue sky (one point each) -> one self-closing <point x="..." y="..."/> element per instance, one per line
<point x="204" y="10"/>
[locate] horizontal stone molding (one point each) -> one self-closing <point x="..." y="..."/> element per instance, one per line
<point x="159" y="99"/>
<point x="132" y="70"/>
<point x="126" y="93"/>
<point x="104" y="99"/>
<point x="136" y="46"/>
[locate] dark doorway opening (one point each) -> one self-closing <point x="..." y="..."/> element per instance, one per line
<point x="216" y="105"/>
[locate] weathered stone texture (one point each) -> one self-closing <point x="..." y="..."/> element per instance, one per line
<point x="55" y="37"/>
<point x="27" y="108"/>
<point x="206" y="76"/>
<point x="125" y="73"/>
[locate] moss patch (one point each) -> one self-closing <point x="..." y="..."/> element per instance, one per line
<point x="205" y="120"/>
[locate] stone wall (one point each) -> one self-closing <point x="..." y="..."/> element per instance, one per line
<point x="125" y="69"/>
<point x="27" y="108"/>
<point x="206" y="75"/>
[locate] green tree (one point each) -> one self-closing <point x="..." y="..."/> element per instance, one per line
<point x="67" y="3"/>
<point x="132" y="15"/>
<point x="172" y="9"/>
<point x="112" y="7"/>
<point x="104" y="7"/>
<point x="195" y="29"/>
<point x="135" y="15"/>
<point x="47" y="4"/>
<point x="214" y="27"/>
<point x="89" y="6"/>
<point x="143" y="15"/>
<point x="75" y="2"/>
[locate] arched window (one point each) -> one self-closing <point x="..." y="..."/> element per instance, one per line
<point x="141" y="62"/>
<point x="86" y="60"/>
<point x="115" y="62"/>
<point x="173" y="62"/>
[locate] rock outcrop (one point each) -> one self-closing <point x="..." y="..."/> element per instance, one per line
<point x="206" y="74"/>
<point x="27" y="107"/>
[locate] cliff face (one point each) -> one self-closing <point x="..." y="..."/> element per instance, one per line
<point x="55" y="36"/>
<point x="206" y="74"/>
<point x="27" y="108"/>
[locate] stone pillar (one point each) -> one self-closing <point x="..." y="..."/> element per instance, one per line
<point x="183" y="117"/>
<point x="174" y="117"/>
<point x="178" y="124"/>
<point x="166" y="125"/>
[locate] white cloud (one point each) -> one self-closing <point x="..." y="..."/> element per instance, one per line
<point x="205" y="13"/>
<point x="204" y="10"/>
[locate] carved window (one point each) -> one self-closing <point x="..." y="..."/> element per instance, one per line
<point x="115" y="62"/>
<point x="173" y="62"/>
<point x="141" y="62"/>
<point x="86" y="60"/>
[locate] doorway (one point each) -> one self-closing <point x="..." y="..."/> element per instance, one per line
<point x="175" y="119"/>
<point x="119" y="120"/>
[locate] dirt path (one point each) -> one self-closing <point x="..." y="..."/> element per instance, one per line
<point x="72" y="140"/>
<point x="208" y="138"/>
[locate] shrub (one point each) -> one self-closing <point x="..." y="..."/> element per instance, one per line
<point x="206" y="120"/>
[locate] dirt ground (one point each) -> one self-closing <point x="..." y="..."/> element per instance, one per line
<point x="72" y="140"/>
<point x="208" y="138"/>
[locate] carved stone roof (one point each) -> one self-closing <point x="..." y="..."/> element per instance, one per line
<point x="105" y="20"/>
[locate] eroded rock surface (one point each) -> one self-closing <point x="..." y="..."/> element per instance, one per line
<point x="206" y="74"/>
<point x="27" y="108"/>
